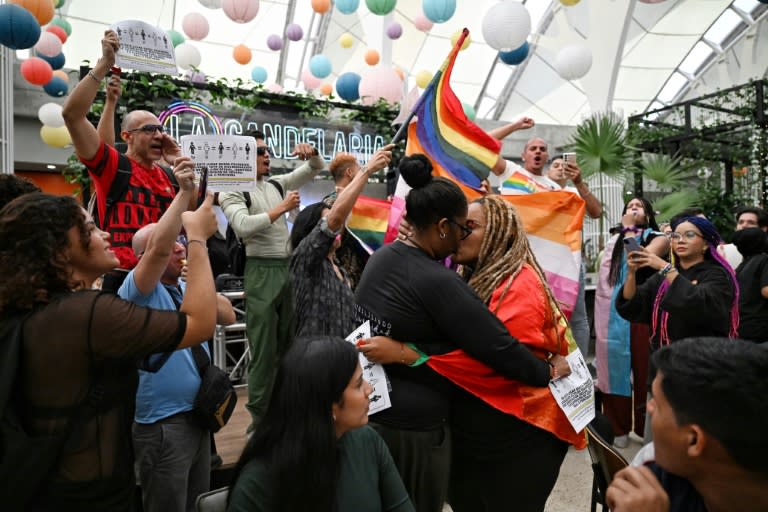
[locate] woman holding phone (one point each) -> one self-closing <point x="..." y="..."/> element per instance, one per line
<point x="621" y="347"/>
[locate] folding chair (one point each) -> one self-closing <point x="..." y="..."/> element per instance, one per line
<point x="606" y="462"/>
<point x="213" y="501"/>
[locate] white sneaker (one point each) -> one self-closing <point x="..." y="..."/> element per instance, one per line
<point x="621" y="441"/>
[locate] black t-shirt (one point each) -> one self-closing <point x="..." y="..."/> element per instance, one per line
<point x="698" y="302"/>
<point x="412" y="298"/>
<point x="683" y="497"/>
<point x="752" y="275"/>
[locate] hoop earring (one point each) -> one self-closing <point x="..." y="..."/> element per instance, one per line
<point x="442" y="235"/>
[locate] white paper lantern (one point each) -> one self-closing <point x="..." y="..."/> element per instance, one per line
<point x="573" y="61"/>
<point x="195" y="26"/>
<point x="211" y="4"/>
<point x="48" y="45"/>
<point x="50" y="115"/>
<point x="187" y="56"/>
<point x="506" y="26"/>
<point x="381" y="82"/>
<point x="240" y="11"/>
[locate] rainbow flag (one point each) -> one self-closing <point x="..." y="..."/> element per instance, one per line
<point x="553" y="222"/>
<point x="368" y="222"/>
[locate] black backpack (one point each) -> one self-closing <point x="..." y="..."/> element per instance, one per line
<point x="235" y="244"/>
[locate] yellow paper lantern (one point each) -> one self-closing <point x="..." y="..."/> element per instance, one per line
<point x="372" y="57"/>
<point x="346" y="40"/>
<point x="455" y="37"/>
<point x="423" y="78"/>
<point x="242" y="54"/>
<point x="326" y="89"/>
<point x="55" y="137"/>
<point x="569" y="3"/>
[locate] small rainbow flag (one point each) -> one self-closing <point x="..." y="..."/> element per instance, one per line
<point x="368" y="222"/>
<point x="519" y="183"/>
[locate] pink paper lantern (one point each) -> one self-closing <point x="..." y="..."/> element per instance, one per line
<point x="195" y="26"/>
<point x="275" y="88"/>
<point x="294" y="32"/>
<point x="381" y="82"/>
<point x="240" y="11"/>
<point x="394" y="30"/>
<point x="310" y="80"/>
<point x="48" y="45"/>
<point x="423" y="23"/>
<point x="275" y="42"/>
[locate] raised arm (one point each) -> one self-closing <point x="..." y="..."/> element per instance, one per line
<point x="85" y="138"/>
<point x="106" y="126"/>
<point x="593" y="205"/>
<point x="160" y="244"/>
<point x="503" y="131"/>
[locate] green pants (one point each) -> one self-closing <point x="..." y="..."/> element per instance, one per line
<point x="269" y="323"/>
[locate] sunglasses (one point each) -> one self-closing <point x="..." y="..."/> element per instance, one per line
<point x="689" y="235"/>
<point x="149" y="128"/>
<point x="465" y="231"/>
<point x="264" y="150"/>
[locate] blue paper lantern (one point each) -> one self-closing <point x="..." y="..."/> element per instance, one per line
<point x="320" y="66"/>
<point x="19" y="29"/>
<point x="516" y="56"/>
<point x="439" y="11"/>
<point x="259" y="74"/>
<point x="56" y="62"/>
<point x="347" y="6"/>
<point x="56" y="87"/>
<point x="347" y="86"/>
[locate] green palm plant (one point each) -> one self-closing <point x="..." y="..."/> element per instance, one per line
<point x="667" y="171"/>
<point x="600" y="145"/>
<point x="673" y="203"/>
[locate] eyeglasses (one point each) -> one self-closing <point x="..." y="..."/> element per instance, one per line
<point x="465" y="231"/>
<point x="689" y="235"/>
<point x="264" y="150"/>
<point x="148" y="128"/>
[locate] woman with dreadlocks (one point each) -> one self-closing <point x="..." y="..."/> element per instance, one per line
<point x="695" y="295"/>
<point x="509" y="439"/>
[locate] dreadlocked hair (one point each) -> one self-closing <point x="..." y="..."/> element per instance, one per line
<point x="503" y="251"/>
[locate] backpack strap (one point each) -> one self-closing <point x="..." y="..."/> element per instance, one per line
<point x="201" y="358"/>
<point x="118" y="188"/>
<point x="169" y="172"/>
<point x="278" y="186"/>
<point x="247" y="197"/>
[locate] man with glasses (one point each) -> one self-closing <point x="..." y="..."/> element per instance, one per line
<point x="149" y="190"/>
<point x="269" y="298"/>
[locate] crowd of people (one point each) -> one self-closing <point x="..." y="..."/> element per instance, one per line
<point x="109" y="377"/>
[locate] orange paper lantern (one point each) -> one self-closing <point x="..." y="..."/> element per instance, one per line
<point x="321" y="6"/>
<point x="326" y="89"/>
<point x="61" y="74"/>
<point x="42" y="10"/>
<point x="242" y="54"/>
<point x="36" y="71"/>
<point x="372" y="57"/>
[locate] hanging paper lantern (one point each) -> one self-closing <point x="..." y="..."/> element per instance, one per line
<point x="347" y="6"/>
<point x="187" y="56"/>
<point x="211" y="4"/>
<point x="347" y="86"/>
<point x="58" y="32"/>
<point x="570" y="3"/>
<point x="274" y="42"/>
<point x="294" y="32"/>
<point x="455" y="37"/>
<point x="346" y="40"/>
<point x="56" y="62"/>
<point x="423" y="78"/>
<point x="61" y="22"/>
<point x="439" y="11"/>
<point x="42" y="10"/>
<point x="310" y="81"/>
<point x="381" y="82"/>
<point x="380" y="7"/>
<point x="469" y="111"/>
<point x="275" y="88"/>
<point x="573" y="61"/>
<point x="320" y="66"/>
<point x="259" y="74"/>
<point x="423" y="23"/>
<point x="372" y="57"/>
<point x="36" y="71"/>
<point x="176" y="37"/>
<point x="61" y="74"/>
<point x="49" y="45"/>
<point x="516" y="56"/>
<point x="196" y="77"/>
<point x="195" y="26"/>
<point x="58" y="4"/>
<point x="399" y="72"/>
<point x="56" y="87"/>
<point x="50" y="115"/>
<point x="321" y="6"/>
<point x="19" y="30"/>
<point x="326" y="89"/>
<point x="506" y="26"/>
<point x="242" y="54"/>
<point x="56" y="137"/>
<point x="394" y="30"/>
<point x="240" y="11"/>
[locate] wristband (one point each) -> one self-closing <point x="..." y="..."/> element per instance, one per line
<point x="633" y="229"/>
<point x="553" y="369"/>
<point x="199" y="242"/>
<point x="667" y="269"/>
<point x="93" y="75"/>
<point x="422" y="356"/>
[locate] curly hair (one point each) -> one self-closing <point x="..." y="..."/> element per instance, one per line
<point x="34" y="232"/>
<point x="503" y="251"/>
<point x="12" y="186"/>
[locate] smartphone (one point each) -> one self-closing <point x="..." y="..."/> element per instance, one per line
<point x="631" y="245"/>
<point x="202" y="186"/>
<point x="569" y="157"/>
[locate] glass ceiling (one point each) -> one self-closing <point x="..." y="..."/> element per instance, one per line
<point x="668" y="49"/>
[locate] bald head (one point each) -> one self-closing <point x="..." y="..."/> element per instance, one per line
<point x="137" y="118"/>
<point x="535" y="155"/>
<point x="141" y="239"/>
